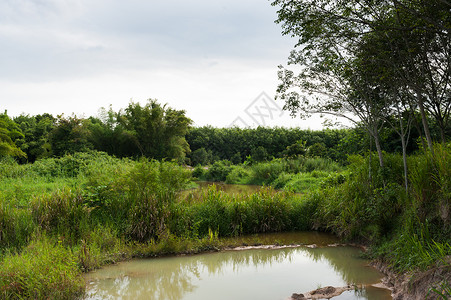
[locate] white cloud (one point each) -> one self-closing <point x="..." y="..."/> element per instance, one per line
<point x="210" y="58"/>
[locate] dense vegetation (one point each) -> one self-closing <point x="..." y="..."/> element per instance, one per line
<point x="75" y="208"/>
<point x="153" y="130"/>
<point x="76" y="193"/>
<point x="74" y="213"/>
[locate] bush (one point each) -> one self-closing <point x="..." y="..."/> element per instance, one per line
<point x="230" y="215"/>
<point x="200" y="157"/>
<point x="218" y="171"/>
<point x="239" y="175"/>
<point x="303" y="182"/>
<point x="151" y="188"/>
<point x="282" y="180"/>
<point x="198" y="172"/>
<point x="267" y="172"/>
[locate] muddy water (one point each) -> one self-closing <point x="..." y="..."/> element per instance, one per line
<point x="250" y="274"/>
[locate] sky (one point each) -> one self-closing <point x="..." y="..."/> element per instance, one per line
<point x="217" y="60"/>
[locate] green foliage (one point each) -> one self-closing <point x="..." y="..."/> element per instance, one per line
<point x="235" y="144"/>
<point x="198" y="172"/>
<point x="158" y="132"/>
<point x="70" y="135"/>
<point x="304" y="182"/>
<point x="239" y="175"/>
<point x="363" y="208"/>
<point x="317" y="150"/>
<point x="267" y="172"/>
<point x="62" y="213"/>
<point x="16" y="226"/>
<point x="296" y="149"/>
<point x="282" y="180"/>
<point x="259" y="154"/>
<point x="411" y="231"/>
<point x="218" y="171"/>
<point x="200" y="156"/>
<point x="9" y="133"/>
<point x="415" y="249"/>
<point x="265" y="211"/>
<point x="36" y="130"/>
<point x="44" y="270"/>
<point x="152" y="188"/>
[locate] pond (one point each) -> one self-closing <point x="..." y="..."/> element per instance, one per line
<point x="262" y="273"/>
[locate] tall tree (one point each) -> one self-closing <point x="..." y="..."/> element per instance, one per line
<point x="158" y="131"/>
<point x="70" y="135"/>
<point x="329" y="33"/>
<point x="36" y="131"/>
<point x="9" y="134"/>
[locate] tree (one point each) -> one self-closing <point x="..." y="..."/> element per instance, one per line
<point x="200" y="157"/>
<point x="158" y="131"/>
<point x="331" y="32"/>
<point x="9" y="133"/>
<point x="36" y="131"/>
<point x="70" y="135"/>
<point x="108" y="135"/>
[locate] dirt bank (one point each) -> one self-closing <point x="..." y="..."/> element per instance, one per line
<point x="417" y="285"/>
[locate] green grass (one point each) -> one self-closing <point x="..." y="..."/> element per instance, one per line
<point x="45" y="269"/>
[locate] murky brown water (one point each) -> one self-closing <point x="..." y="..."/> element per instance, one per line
<point x="249" y="274"/>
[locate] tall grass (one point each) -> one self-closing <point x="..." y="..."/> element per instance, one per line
<point x="44" y="270"/>
<point x="16" y="226"/>
<point x="231" y="215"/>
<point x="63" y="214"/>
<point x="410" y="230"/>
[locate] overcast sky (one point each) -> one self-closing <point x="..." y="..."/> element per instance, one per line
<point x="213" y="59"/>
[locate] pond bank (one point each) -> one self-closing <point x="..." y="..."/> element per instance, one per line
<point x="417" y="285"/>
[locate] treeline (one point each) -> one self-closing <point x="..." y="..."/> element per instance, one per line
<point x="209" y="144"/>
<point x="160" y="132"/>
<point x="152" y="130"/>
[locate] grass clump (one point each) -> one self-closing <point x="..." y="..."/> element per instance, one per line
<point x="44" y="270"/>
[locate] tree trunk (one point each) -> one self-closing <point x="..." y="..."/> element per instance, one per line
<point x="404" y="160"/>
<point x="427" y="133"/>
<point x="378" y="149"/>
<point x="420" y="132"/>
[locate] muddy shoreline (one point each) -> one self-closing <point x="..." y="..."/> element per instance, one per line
<point x="416" y="285"/>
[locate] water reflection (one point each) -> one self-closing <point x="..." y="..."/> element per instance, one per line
<point x="251" y="274"/>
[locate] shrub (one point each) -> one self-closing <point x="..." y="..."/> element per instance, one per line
<point x="282" y="180"/>
<point x="151" y="189"/>
<point x="302" y="182"/>
<point x="239" y="175"/>
<point x="218" y="171"/>
<point x="267" y="172"/>
<point x="198" y="172"/>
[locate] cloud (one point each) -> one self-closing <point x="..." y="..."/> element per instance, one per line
<point x="210" y="58"/>
<point x="58" y="39"/>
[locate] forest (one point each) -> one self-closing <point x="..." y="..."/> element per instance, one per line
<point x="78" y="193"/>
